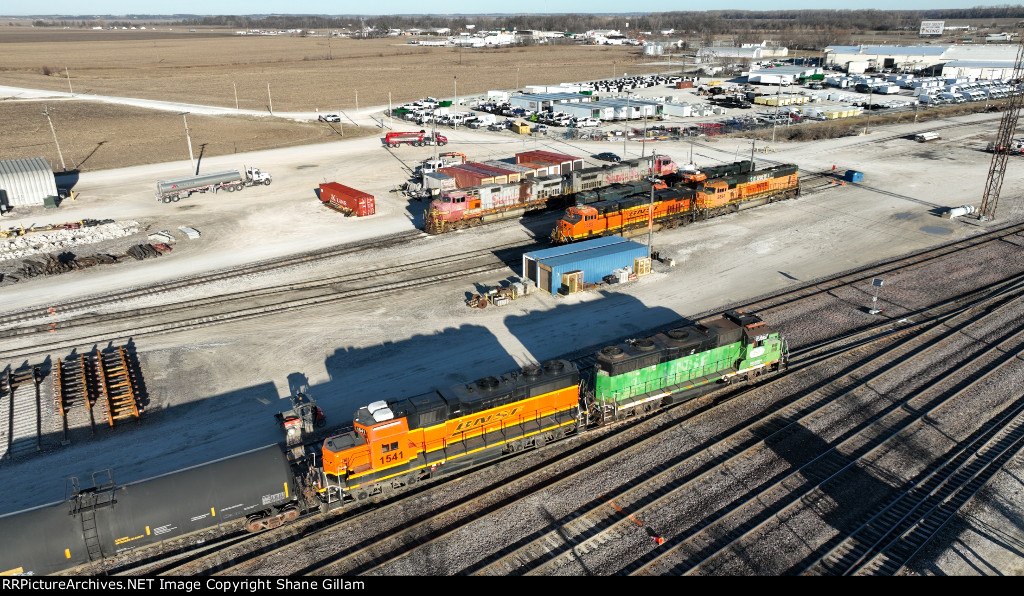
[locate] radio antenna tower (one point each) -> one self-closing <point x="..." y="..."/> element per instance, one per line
<point x="1004" y="138"/>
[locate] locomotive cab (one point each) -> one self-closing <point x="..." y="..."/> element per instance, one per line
<point x="577" y="222"/>
<point x="379" y="440"/>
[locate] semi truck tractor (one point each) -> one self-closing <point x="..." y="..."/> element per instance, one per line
<point x="180" y="188"/>
<point x="416" y="139"/>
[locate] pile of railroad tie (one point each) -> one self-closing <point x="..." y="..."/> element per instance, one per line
<point x="52" y="264"/>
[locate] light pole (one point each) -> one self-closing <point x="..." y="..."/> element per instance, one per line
<point x="188" y="137"/>
<point x="650" y="208"/>
<point x="625" y="133"/>
<point x="455" y="104"/>
<point x="868" y="120"/>
<point x="235" y="87"/>
<point x="778" y="100"/>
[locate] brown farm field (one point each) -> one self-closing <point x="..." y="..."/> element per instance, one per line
<point x="304" y="74"/>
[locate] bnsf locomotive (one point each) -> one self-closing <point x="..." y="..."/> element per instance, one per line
<point x="394" y="444"/>
<point x="470" y="207"/>
<point x="714" y="192"/>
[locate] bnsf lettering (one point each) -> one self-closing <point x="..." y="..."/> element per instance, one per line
<point x="468" y="424"/>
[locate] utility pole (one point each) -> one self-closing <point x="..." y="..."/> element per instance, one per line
<point x="391" y="117"/>
<point x="270" y="99"/>
<point x="868" y="120"/>
<point x="188" y="137"/>
<point x="357" y="101"/>
<point x="455" y="103"/>
<point x="68" y="74"/>
<point x="46" y="112"/>
<point x="778" y="100"/>
<point x="643" y="145"/>
<point x="235" y="87"/>
<point x="650" y="208"/>
<point x="625" y="133"/>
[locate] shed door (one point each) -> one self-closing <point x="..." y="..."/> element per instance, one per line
<point x="531" y="271"/>
<point x="544" y="278"/>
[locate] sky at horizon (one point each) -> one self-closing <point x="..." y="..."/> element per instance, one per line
<point x="453" y="7"/>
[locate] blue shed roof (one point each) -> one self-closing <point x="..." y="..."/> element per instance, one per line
<point x="557" y="251"/>
<point x="594" y="252"/>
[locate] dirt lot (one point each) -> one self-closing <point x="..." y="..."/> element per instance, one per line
<point x="304" y="74"/>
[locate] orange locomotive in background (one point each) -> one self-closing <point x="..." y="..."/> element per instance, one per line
<point x="396" y="443"/>
<point x="697" y="197"/>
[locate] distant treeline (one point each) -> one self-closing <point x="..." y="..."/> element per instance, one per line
<point x="717" y="21"/>
<point x="752" y="24"/>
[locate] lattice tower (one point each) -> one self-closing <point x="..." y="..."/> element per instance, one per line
<point x="1007" y="126"/>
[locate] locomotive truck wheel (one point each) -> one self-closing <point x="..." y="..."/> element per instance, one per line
<point x="253" y="525"/>
<point x="291" y="515"/>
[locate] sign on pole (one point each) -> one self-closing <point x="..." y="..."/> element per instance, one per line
<point x="932" y="27"/>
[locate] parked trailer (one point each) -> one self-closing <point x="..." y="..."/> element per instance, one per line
<point x="347" y="199"/>
<point x="180" y="188"/>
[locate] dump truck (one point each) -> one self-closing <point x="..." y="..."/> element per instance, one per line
<point x="416" y="139"/>
<point x="231" y="180"/>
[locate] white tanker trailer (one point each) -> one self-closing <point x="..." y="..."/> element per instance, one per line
<point x="180" y="188"/>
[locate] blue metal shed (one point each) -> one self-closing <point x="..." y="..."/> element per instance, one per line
<point x="595" y="258"/>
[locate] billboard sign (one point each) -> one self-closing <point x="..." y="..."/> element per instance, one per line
<point x="932" y="27"/>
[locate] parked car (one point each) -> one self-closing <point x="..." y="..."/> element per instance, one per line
<point x="608" y="156"/>
<point x="329" y="118"/>
<point x="497" y="127"/>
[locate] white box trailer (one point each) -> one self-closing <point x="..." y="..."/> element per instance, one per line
<point x="683" y="110"/>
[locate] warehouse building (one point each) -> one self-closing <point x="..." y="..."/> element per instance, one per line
<point x="26" y="182"/>
<point x="539" y="102"/>
<point x="983" y="62"/>
<point x="564" y="269"/>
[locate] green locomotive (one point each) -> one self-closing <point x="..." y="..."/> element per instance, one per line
<point x="644" y="374"/>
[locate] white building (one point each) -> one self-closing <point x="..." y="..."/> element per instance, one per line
<point x="988" y="61"/>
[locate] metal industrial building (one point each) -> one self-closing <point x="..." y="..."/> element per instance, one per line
<point x="589" y="261"/>
<point x="984" y="62"/>
<point x="25" y="182"/>
<point x="539" y="102"/>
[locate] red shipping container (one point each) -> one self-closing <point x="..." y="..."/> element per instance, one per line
<point x="359" y="202"/>
<point x="684" y="85"/>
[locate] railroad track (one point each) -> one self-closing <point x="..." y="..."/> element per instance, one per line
<point x="249" y="556"/>
<point x="100" y="300"/>
<point x="257" y="303"/>
<point x="715" y="543"/>
<point x="884" y="543"/>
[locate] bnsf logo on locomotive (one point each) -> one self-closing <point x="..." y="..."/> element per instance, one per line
<point x="475" y="422"/>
